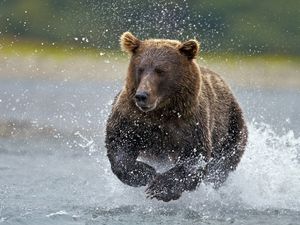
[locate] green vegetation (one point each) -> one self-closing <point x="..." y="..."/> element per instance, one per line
<point x="25" y="47"/>
<point x="227" y="26"/>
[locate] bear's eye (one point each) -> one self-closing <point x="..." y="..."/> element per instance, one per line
<point x="159" y="71"/>
<point x="140" y="70"/>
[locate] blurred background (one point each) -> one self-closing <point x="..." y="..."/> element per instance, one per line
<point x="241" y="27"/>
<point x="35" y="34"/>
<point x="60" y="68"/>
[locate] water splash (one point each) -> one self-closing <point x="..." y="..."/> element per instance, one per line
<point x="269" y="173"/>
<point x="86" y="143"/>
<point x="62" y="212"/>
<point x="155" y="19"/>
<point x="268" y="177"/>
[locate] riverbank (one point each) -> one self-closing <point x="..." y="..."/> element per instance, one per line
<point x="32" y="62"/>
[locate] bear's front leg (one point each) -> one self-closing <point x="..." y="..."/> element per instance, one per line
<point x="122" y="151"/>
<point x="171" y="184"/>
<point x="136" y="174"/>
<point x="130" y="171"/>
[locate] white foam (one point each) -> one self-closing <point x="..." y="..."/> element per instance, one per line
<point x="269" y="173"/>
<point x="62" y="212"/>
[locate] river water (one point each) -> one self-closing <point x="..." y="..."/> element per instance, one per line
<point x="54" y="170"/>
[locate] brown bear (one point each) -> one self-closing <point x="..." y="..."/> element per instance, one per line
<point x="170" y="110"/>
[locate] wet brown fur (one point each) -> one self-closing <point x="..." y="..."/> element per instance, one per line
<point x="197" y="118"/>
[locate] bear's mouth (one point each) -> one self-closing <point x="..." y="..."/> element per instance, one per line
<point x="147" y="108"/>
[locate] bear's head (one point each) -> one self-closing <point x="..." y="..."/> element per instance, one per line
<point x="162" y="73"/>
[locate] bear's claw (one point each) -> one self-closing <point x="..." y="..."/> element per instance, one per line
<point x="163" y="188"/>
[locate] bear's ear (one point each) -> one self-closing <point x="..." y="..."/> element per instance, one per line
<point x="129" y="43"/>
<point x="190" y="48"/>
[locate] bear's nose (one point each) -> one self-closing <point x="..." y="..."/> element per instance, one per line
<point x="141" y="97"/>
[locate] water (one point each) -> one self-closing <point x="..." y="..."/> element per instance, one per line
<point x="54" y="170"/>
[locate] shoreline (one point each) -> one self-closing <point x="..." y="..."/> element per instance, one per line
<point x="261" y="72"/>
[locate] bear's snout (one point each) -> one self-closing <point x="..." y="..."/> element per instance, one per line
<point x="141" y="97"/>
<point x="144" y="101"/>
